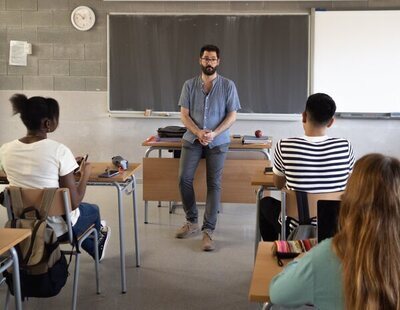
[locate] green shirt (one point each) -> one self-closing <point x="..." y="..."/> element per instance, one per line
<point x="314" y="279"/>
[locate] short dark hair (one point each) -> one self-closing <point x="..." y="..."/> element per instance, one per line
<point x="33" y="110"/>
<point x="320" y="108"/>
<point x="209" y="48"/>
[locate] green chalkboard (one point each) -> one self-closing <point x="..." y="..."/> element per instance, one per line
<point x="150" y="57"/>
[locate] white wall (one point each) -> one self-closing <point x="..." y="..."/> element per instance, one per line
<point x="86" y="128"/>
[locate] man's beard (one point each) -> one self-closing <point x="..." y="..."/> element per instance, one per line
<point x="208" y="70"/>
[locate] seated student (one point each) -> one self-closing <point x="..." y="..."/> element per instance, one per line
<point x="359" y="268"/>
<point x="34" y="161"/>
<point x="313" y="163"/>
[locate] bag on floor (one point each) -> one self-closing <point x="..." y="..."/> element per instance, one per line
<point x="43" y="267"/>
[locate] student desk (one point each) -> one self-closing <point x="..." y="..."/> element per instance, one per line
<point x="265" y="268"/>
<point x="160" y="174"/>
<point x="124" y="182"/>
<point x="9" y="237"/>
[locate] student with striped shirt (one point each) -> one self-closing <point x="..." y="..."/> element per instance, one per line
<point x="314" y="163"/>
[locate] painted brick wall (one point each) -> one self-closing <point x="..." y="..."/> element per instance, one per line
<point x="65" y="59"/>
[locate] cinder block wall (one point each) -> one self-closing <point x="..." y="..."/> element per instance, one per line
<point x="65" y="59"/>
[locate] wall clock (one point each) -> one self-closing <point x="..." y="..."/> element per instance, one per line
<point x="83" y="18"/>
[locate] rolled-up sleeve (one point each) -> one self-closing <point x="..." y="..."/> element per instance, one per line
<point x="278" y="168"/>
<point x="232" y="103"/>
<point x="67" y="162"/>
<point x="184" y="98"/>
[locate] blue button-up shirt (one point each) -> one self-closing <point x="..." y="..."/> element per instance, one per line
<point x="209" y="110"/>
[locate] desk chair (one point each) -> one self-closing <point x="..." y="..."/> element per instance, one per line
<point x="291" y="202"/>
<point x="61" y="206"/>
<point x="327" y="215"/>
<point x="289" y="206"/>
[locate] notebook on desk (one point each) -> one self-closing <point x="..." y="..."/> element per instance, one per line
<point x="327" y="214"/>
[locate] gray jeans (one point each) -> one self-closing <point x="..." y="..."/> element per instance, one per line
<point x="190" y="158"/>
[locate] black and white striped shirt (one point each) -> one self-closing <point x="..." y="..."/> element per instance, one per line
<point x="314" y="164"/>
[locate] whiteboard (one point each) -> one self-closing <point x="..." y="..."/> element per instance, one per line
<point x="357" y="59"/>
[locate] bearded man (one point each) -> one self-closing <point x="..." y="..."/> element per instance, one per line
<point x="209" y="104"/>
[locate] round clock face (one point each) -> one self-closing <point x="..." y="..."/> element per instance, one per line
<point x="83" y="18"/>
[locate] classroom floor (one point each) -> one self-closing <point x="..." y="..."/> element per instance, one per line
<point x="174" y="273"/>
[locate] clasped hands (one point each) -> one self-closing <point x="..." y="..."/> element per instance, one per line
<point x="205" y="136"/>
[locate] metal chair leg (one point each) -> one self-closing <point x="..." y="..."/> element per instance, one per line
<point x="7" y="299"/>
<point x="96" y="259"/>
<point x="75" y="286"/>
<point x="16" y="279"/>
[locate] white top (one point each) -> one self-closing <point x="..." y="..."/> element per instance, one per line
<point x="314" y="164"/>
<point x="39" y="165"/>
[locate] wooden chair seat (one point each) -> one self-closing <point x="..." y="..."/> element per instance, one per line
<point x="78" y="237"/>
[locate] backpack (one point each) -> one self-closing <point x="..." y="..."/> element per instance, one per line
<point x="43" y="267"/>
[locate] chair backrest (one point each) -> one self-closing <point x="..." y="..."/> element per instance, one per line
<point x="327" y="214"/>
<point x="291" y="202"/>
<point x="32" y="197"/>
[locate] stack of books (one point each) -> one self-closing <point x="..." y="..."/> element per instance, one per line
<point x="254" y="140"/>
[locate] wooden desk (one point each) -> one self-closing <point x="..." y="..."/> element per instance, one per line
<point x="100" y="167"/>
<point x="122" y="182"/>
<point x="97" y="169"/>
<point x="9" y="237"/>
<point x="261" y="179"/>
<point x="160" y="175"/>
<point x="235" y="144"/>
<point x="265" y="268"/>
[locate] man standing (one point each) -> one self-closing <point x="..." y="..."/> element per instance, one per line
<point x="209" y="103"/>
<point x="313" y="163"/>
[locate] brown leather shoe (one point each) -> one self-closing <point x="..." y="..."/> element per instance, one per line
<point x="188" y="229"/>
<point x="208" y="243"/>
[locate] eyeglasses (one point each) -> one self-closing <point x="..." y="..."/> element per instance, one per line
<point x="206" y="59"/>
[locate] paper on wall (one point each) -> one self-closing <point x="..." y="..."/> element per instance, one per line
<point x="18" y="53"/>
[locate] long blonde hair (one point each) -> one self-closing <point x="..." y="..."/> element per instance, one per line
<point x="368" y="241"/>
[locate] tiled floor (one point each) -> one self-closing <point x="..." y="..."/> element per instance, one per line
<point x="174" y="274"/>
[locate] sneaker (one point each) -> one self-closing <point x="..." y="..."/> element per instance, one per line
<point x="103" y="225"/>
<point x="187" y="230"/>
<point x="103" y="241"/>
<point x="208" y="243"/>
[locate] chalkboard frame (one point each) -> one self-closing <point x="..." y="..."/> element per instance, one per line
<point x="289" y="115"/>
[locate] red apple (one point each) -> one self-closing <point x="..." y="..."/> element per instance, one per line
<point x="258" y="133"/>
